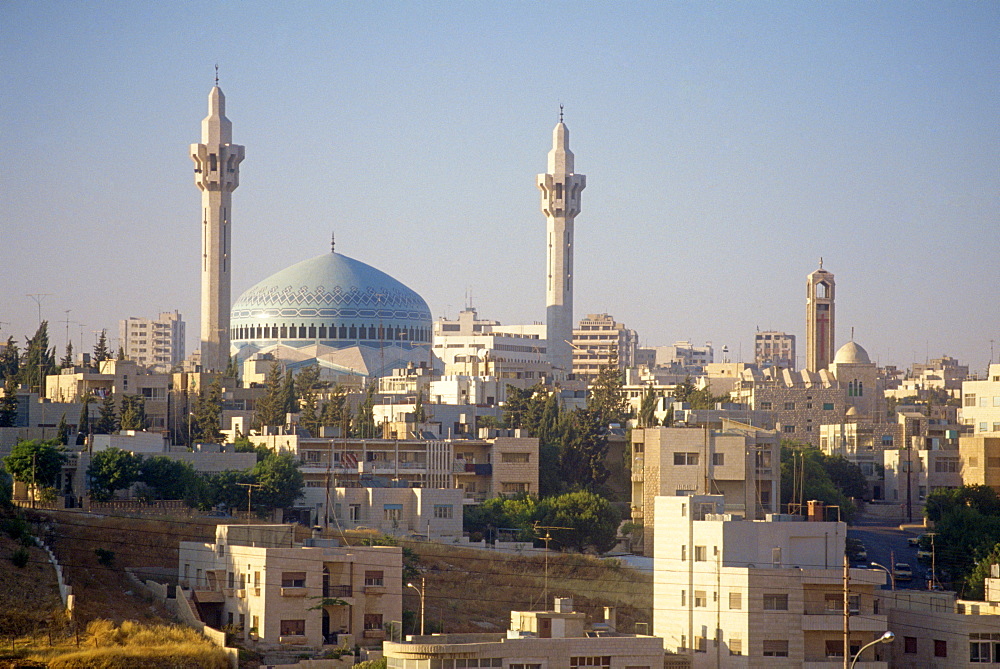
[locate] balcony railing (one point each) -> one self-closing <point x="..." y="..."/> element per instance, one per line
<point x="338" y="591"/>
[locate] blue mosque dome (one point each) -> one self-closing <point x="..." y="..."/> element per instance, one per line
<point x="334" y="301"/>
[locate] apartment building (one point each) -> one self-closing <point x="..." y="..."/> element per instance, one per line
<point x="557" y="639"/>
<point x="256" y="580"/>
<point x="600" y="341"/>
<point x="980" y="459"/>
<point x="981" y="403"/>
<point x="800" y="400"/>
<point x="731" y="592"/>
<point x="913" y="473"/>
<point x="157" y="344"/>
<point x="774" y="349"/>
<point x="117" y="378"/>
<point x="740" y="462"/>
<point x="469" y="346"/>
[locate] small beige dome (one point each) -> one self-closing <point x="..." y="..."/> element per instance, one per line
<point x="851" y="353"/>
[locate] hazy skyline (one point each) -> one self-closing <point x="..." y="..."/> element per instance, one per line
<point x="727" y="146"/>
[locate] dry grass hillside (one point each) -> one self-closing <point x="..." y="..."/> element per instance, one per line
<point x="467" y="589"/>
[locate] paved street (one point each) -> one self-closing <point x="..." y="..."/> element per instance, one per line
<point x="883" y="542"/>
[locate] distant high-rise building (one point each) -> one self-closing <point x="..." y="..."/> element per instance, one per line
<point x="775" y="349"/>
<point x="217" y="174"/>
<point x="599" y="342"/>
<point x="561" y="189"/>
<point x="154" y="344"/>
<point x="819" y="319"/>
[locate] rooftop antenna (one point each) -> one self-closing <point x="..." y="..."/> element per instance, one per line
<point x="547" y="538"/>
<point x="216" y="75"/>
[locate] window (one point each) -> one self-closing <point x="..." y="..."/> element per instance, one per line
<point x="909" y="644"/>
<point x="443" y="511"/>
<point x="719" y="459"/>
<point x="788" y="428"/>
<point x="685" y="458"/>
<point x="970" y="400"/>
<point x="775" y="602"/>
<point x="293" y="579"/>
<point x="789" y="406"/>
<point x="775" y="648"/>
<point x="600" y="661"/>
<point x="827" y="406"/>
<point x="833" y="601"/>
<point x="293" y="627"/>
<point x="392" y="511"/>
<point x="947" y="465"/>
<point x="979" y="651"/>
<point x="374" y="578"/>
<point x="373" y="621"/>
<point x="700" y="644"/>
<point x="354" y="512"/>
<point x="517" y="665"/>
<point x="765" y="406"/>
<point x="736" y="646"/>
<point x="515" y="458"/>
<point x="231" y="581"/>
<point x="940" y="648"/>
<point x="683" y="597"/>
<point x="684" y="553"/>
<point x="834" y="648"/>
<point x="736" y="600"/>
<point x="700" y="599"/>
<point x="701" y="553"/>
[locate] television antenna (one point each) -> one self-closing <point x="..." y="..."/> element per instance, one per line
<point x="547" y="538"/>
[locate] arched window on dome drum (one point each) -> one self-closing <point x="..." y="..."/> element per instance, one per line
<point x="302" y="332"/>
<point x="354" y="332"/>
<point x="283" y="332"/>
<point x="322" y="332"/>
<point x="371" y="332"/>
<point x="343" y="332"/>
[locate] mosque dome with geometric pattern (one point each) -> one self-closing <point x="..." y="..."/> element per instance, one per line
<point x="331" y="300"/>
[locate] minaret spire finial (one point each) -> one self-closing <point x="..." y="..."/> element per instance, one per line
<point x="216" y="74"/>
<point x="821" y="262"/>
<point x="333" y="242"/>
<point x="560" y="112"/>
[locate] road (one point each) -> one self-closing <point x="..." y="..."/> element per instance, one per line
<point x="885" y="542"/>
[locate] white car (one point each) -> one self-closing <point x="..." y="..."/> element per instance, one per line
<point x="901" y="572"/>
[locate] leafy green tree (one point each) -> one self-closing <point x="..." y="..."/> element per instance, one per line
<point x="111" y="470"/>
<point x="647" y="409"/>
<point x="133" y="415"/>
<point x="515" y="408"/>
<point x="308" y="385"/>
<point x="232" y="369"/>
<point x="244" y="445"/>
<point x="975" y="582"/>
<point x="83" y="422"/>
<point x="170" y="479"/>
<point x="270" y="409"/>
<point x="419" y="414"/>
<point x="62" y="431"/>
<point x="107" y="422"/>
<point x="206" y="417"/>
<point x="942" y="501"/>
<point x="585" y="450"/>
<point x="67" y="360"/>
<point x="289" y="394"/>
<point x="8" y="404"/>
<point x="10" y="361"/>
<point x="101" y="350"/>
<point x="335" y="411"/>
<point x="817" y="482"/>
<point x="280" y="480"/>
<point x="594" y="521"/>
<point x="38" y="361"/>
<point x="36" y="461"/>
<point x="364" y="420"/>
<point x="121" y="354"/>
<point x="607" y="398"/>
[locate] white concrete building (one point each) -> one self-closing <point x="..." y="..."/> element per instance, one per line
<point x="154" y="344"/>
<point x="470" y="346"/>
<point x="981" y="403"/>
<point x="774" y="349"/>
<point x="254" y="579"/>
<point x="600" y="341"/>
<point x="730" y="592"/>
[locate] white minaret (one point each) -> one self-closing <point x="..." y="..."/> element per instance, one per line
<point x="217" y="174"/>
<point x="560" y="203"/>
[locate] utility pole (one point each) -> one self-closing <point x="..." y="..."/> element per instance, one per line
<point x="249" y="487"/>
<point x="547" y="538"/>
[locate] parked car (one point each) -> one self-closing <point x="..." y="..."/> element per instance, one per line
<point x="923" y="554"/>
<point x="901" y="572"/>
<point x="915" y="541"/>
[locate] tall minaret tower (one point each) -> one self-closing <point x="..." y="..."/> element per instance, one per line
<point x="561" y="189"/>
<point x="217" y="174"/>
<point x="820" y="288"/>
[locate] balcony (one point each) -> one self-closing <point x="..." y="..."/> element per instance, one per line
<point x="294" y="592"/>
<point x="374" y="590"/>
<point x="374" y="634"/>
<point x="833" y="621"/>
<point x="296" y="639"/>
<point x="338" y="591"/>
<point x="241" y="593"/>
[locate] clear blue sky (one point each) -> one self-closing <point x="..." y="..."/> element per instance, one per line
<point x="727" y="146"/>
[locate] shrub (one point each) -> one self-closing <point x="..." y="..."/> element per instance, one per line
<point x="105" y="557"/>
<point x="15" y="528"/>
<point x="20" y="557"/>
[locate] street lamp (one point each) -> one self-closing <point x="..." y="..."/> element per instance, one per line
<point x="420" y="591"/>
<point x="892" y="578"/>
<point x="885" y="638"/>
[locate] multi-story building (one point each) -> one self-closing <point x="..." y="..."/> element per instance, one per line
<point x="912" y="473"/>
<point x="557" y="639"/>
<point x="863" y="443"/>
<point x="433" y="513"/>
<point x="981" y="403"/>
<point x="774" y="349"/>
<point x="255" y="580"/>
<point x="117" y="378"/>
<point x="482" y="468"/>
<point x="980" y="459"/>
<point x="469" y="346"/>
<point x="739" y="462"/>
<point x="731" y="592"/>
<point x="683" y="356"/>
<point x="600" y="341"/>
<point x="156" y="344"/>
<point x="801" y="400"/>
<point x="938" y="374"/>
